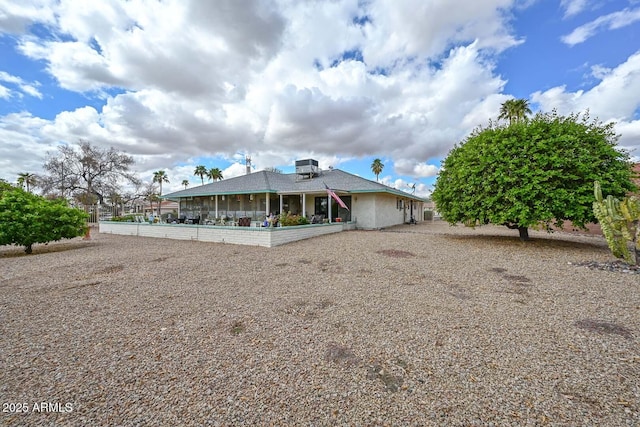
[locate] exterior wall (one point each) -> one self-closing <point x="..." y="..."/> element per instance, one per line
<point x="379" y="210"/>
<point x="165" y="207"/>
<point x="253" y="236"/>
<point x="363" y="208"/>
<point x="387" y="213"/>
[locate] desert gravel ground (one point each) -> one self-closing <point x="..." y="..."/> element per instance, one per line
<point x="413" y="325"/>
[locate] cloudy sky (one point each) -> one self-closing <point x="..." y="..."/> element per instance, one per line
<point x="180" y="83"/>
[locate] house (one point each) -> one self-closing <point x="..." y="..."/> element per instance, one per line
<point x="166" y="207"/>
<point x="371" y="205"/>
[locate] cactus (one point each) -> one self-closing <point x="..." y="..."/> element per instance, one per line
<point x="620" y="223"/>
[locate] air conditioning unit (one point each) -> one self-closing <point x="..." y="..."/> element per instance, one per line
<point x="307" y="168"/>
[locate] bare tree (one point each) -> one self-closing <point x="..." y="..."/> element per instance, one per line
<point x="150" y="193"/>
<point x="87" y="173"/>
<point x="273" y="169"/>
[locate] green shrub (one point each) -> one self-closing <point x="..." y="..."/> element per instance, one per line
<point x="124" y="218"/>
<point x="26" y="218"/>
<point x="287" y="219"/>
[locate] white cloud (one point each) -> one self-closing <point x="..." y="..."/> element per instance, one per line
<point x="24" y="144"/>
<point x="573" y="7"/>
<point x="21" y="86"/>
<point x="611" y="21"/>
<point x="16" y="17"/>
<point x="415" y="169"/>
<point x="614" y="98"/>
<point x="5" y="93"/>
<point x="421" y="189"/>
<point x="402" y="29"/>
<point x="277" y="79"/>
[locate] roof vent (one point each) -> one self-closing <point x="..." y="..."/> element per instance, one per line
<point x="307" y="169"/>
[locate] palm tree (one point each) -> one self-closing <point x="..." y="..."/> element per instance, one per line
<point x="201" y="171"/>
<point x="185" y="183"/>
<point x="376" y="167"/>
<point x="153" y="198"/>
<point x="27" y="179"/>
<point x="514" y="110"/>
<point x="160" y="177"/>
<point x="215" y="174"/>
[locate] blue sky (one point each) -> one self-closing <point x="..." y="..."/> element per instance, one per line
<point x="182" y="83"/>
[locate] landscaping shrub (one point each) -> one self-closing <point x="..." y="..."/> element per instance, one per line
<point x="287" y="219"/>
<point x="26" y="218"/>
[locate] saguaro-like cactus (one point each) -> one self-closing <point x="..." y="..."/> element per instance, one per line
<point x="620" y="223"/>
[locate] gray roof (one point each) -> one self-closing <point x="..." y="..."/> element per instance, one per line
<point x="273" y="182"/>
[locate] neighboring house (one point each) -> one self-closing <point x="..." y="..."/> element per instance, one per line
<point x="166" y="207"/>
<point x="371" y="205"/>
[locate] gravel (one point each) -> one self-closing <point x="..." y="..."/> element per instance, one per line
<point x="415" y="325"/>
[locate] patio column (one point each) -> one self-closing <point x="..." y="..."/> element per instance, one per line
<point x="216" y="206"/>
<point x="329" y="208"/>
<point x="281" y="203"/>
<point x="304" y="204"/>
<point x="268" y="207"/>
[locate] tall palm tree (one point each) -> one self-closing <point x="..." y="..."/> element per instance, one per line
<point x="27" y="179"/>
<point x="185" y="183"/>
<point x="215" y="174"/>
<point x="160" y="177"/>
<point x="514" y="110"/>
<point x="376" y="167"/>
<point x="201" y="171"/>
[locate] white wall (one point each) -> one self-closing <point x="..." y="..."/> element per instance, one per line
<point x="375" y="210"/>
<point x="387" y="213"/>
<point x="363" y="209"/>
<point x="253" y="236"/>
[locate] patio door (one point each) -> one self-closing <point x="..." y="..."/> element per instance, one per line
<point x="321" y="208"/>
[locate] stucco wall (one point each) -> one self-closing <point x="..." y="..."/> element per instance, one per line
<point x="387" y="214"/>
<point x="363" y="208"/>
<point x="253" y="236"/>
<point x="376" y="210"/>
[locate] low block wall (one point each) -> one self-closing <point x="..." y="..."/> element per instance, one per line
<point x="253" y="236"/>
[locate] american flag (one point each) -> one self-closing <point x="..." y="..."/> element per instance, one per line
<point x="335" y="197"/>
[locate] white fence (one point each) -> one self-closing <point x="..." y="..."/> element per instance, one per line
<point x="102" y="212"/>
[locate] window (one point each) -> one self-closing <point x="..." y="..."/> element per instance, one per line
<point x="321" y="206"/>
<point x="336" y="210"/>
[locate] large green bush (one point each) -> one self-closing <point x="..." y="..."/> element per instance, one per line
<point x="538" y="172"/>
<point x="26" y="219"/>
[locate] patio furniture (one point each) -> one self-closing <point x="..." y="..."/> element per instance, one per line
<point x="244" y="222"/>
<point x="194" y="220"/>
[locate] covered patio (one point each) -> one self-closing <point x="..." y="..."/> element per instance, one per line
<point x="223" y="208"/>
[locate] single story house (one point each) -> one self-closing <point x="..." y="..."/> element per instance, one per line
<point x="166" y="207"/>
<point x="371" y="205"/>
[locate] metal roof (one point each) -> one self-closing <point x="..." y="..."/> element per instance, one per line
<point x="279" y="183"/>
